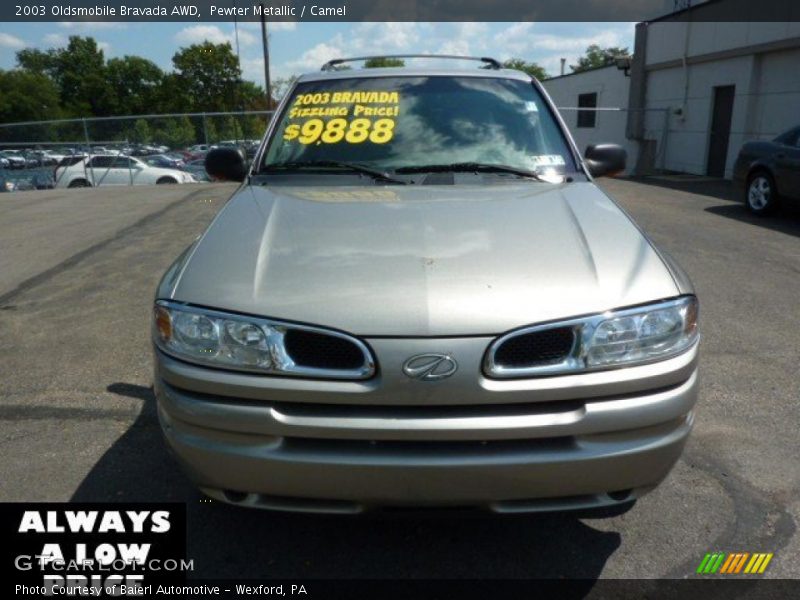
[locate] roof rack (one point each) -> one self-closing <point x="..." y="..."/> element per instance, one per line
<point x="491" y="63"/>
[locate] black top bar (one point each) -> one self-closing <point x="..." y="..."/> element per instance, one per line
<point x="491" y="63"/>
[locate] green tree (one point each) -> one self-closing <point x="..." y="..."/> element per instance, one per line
<point x="81" y="75"/>
<point x="38" y="61"/>
<point x="281" y="85"/>
<point x="531" y="68"/>
<point x="175" y="132"/>
<point x="134" y="83"/>
<point x="229" y="129"/>
<point x="27" y="96"/>
<point x="79" y="71"/>
<point x="171" y="95"/>
<point x="77" y="81"/>
<point x="599" y="57"/>
<point x="208" y="131"/>
<point x="253" y="126"/>
<point x="382" y="62"/>
<point x="209" y="75"/>
<point x="141" y="132"/>
<point x="252" y="96"/>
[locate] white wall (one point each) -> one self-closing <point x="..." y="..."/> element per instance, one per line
<point x="688" y="134"/>
<point x="667" y="40"/>
<point x="611" y="86"/>
<point x="766" y="103"/>
<point x="767" y="94"/>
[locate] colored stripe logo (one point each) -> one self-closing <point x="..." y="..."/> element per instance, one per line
<point x="734" y="563"/>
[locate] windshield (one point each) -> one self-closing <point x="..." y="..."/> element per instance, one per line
<point x="391" y="123"/>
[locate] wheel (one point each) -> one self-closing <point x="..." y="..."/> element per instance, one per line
<point x="78" y="183"/>
<point x="166" y="180"/>
<point x="761" y="196"/>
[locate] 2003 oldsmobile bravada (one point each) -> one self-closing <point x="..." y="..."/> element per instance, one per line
<point x="418" y="296"/>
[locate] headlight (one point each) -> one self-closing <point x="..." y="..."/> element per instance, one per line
<point x="219" y="339"/>
<point x="616" y="338"/>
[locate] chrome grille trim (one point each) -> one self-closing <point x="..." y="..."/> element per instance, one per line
<point x="584" y="330"/>
<point x="572" y="361"/>
<point x="536" y="348"/>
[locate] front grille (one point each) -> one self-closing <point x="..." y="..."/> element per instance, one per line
<point x="320" y="351"/>
<point x="537" y="348"/>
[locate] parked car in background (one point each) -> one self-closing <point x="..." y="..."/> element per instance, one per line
<point x="42" y="180"/>
<point x="14" y="158"/>
<point x="198" y="169"/>
<point x="6" y="185"/>
<point x="190" y="156"/>
<point x="196" y="152"/>
<point x="53" y="157"/>
<point x="165" y="161"/>
<point x="4" y="162"/>
<point x="32" y="159"/>
<point x="41" y="158"/>
<point x="116" y="169"/>
<point x="769" y="171"/>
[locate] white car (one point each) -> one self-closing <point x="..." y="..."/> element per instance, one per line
<point x="14" y="158"/>
<point x="57" y="157"/>
<point x="108" y="169"/>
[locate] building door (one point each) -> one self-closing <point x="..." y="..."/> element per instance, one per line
<point x="720" y="130"/>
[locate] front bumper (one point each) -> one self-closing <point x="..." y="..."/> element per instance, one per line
<point x="577" y="441"/>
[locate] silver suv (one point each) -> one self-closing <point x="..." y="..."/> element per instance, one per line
<point x="419" y="297"/>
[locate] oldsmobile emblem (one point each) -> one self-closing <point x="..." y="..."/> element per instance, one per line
<point x="430" y="367"/>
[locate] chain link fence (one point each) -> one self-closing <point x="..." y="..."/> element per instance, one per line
<point x="170" y="148"/>
<point x="129" y="150"/>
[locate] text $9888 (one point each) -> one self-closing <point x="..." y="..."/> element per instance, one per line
<point x="337" y="130"/>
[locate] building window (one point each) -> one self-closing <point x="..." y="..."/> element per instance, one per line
<point x="587" y="118"/>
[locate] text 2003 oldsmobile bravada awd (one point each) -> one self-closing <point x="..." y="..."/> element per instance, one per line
<point x="418" y="296"/>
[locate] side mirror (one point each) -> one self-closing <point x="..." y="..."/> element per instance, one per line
<point x="226" y="164"/>
<point x="605" y="160"/>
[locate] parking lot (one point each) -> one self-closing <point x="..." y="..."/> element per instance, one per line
<point x="77" y="273"/>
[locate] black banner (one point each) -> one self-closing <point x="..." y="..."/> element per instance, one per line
<point x="392" y="10"/>
<point x="93" y="549"/>
<point x="139" y="550"/>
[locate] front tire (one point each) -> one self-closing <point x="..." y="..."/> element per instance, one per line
<point x="761" y="195"/>
<point x="78" y="183"/>
<point x="166" y="181"/>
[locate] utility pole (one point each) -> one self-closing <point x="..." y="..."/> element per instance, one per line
<point x="265" y="43"/>
<point x="236" y="30"/>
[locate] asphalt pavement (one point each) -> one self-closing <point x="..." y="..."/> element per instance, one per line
<point x="77" y="273"/>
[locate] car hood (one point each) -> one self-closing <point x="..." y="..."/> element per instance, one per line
<point x="422" y="260"/>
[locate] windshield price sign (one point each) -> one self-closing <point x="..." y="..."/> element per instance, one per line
<point x="334" y="117"/>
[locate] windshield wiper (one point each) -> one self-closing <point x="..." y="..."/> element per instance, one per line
<point x="470" y="167"/>
<point x="336" y="164"/>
